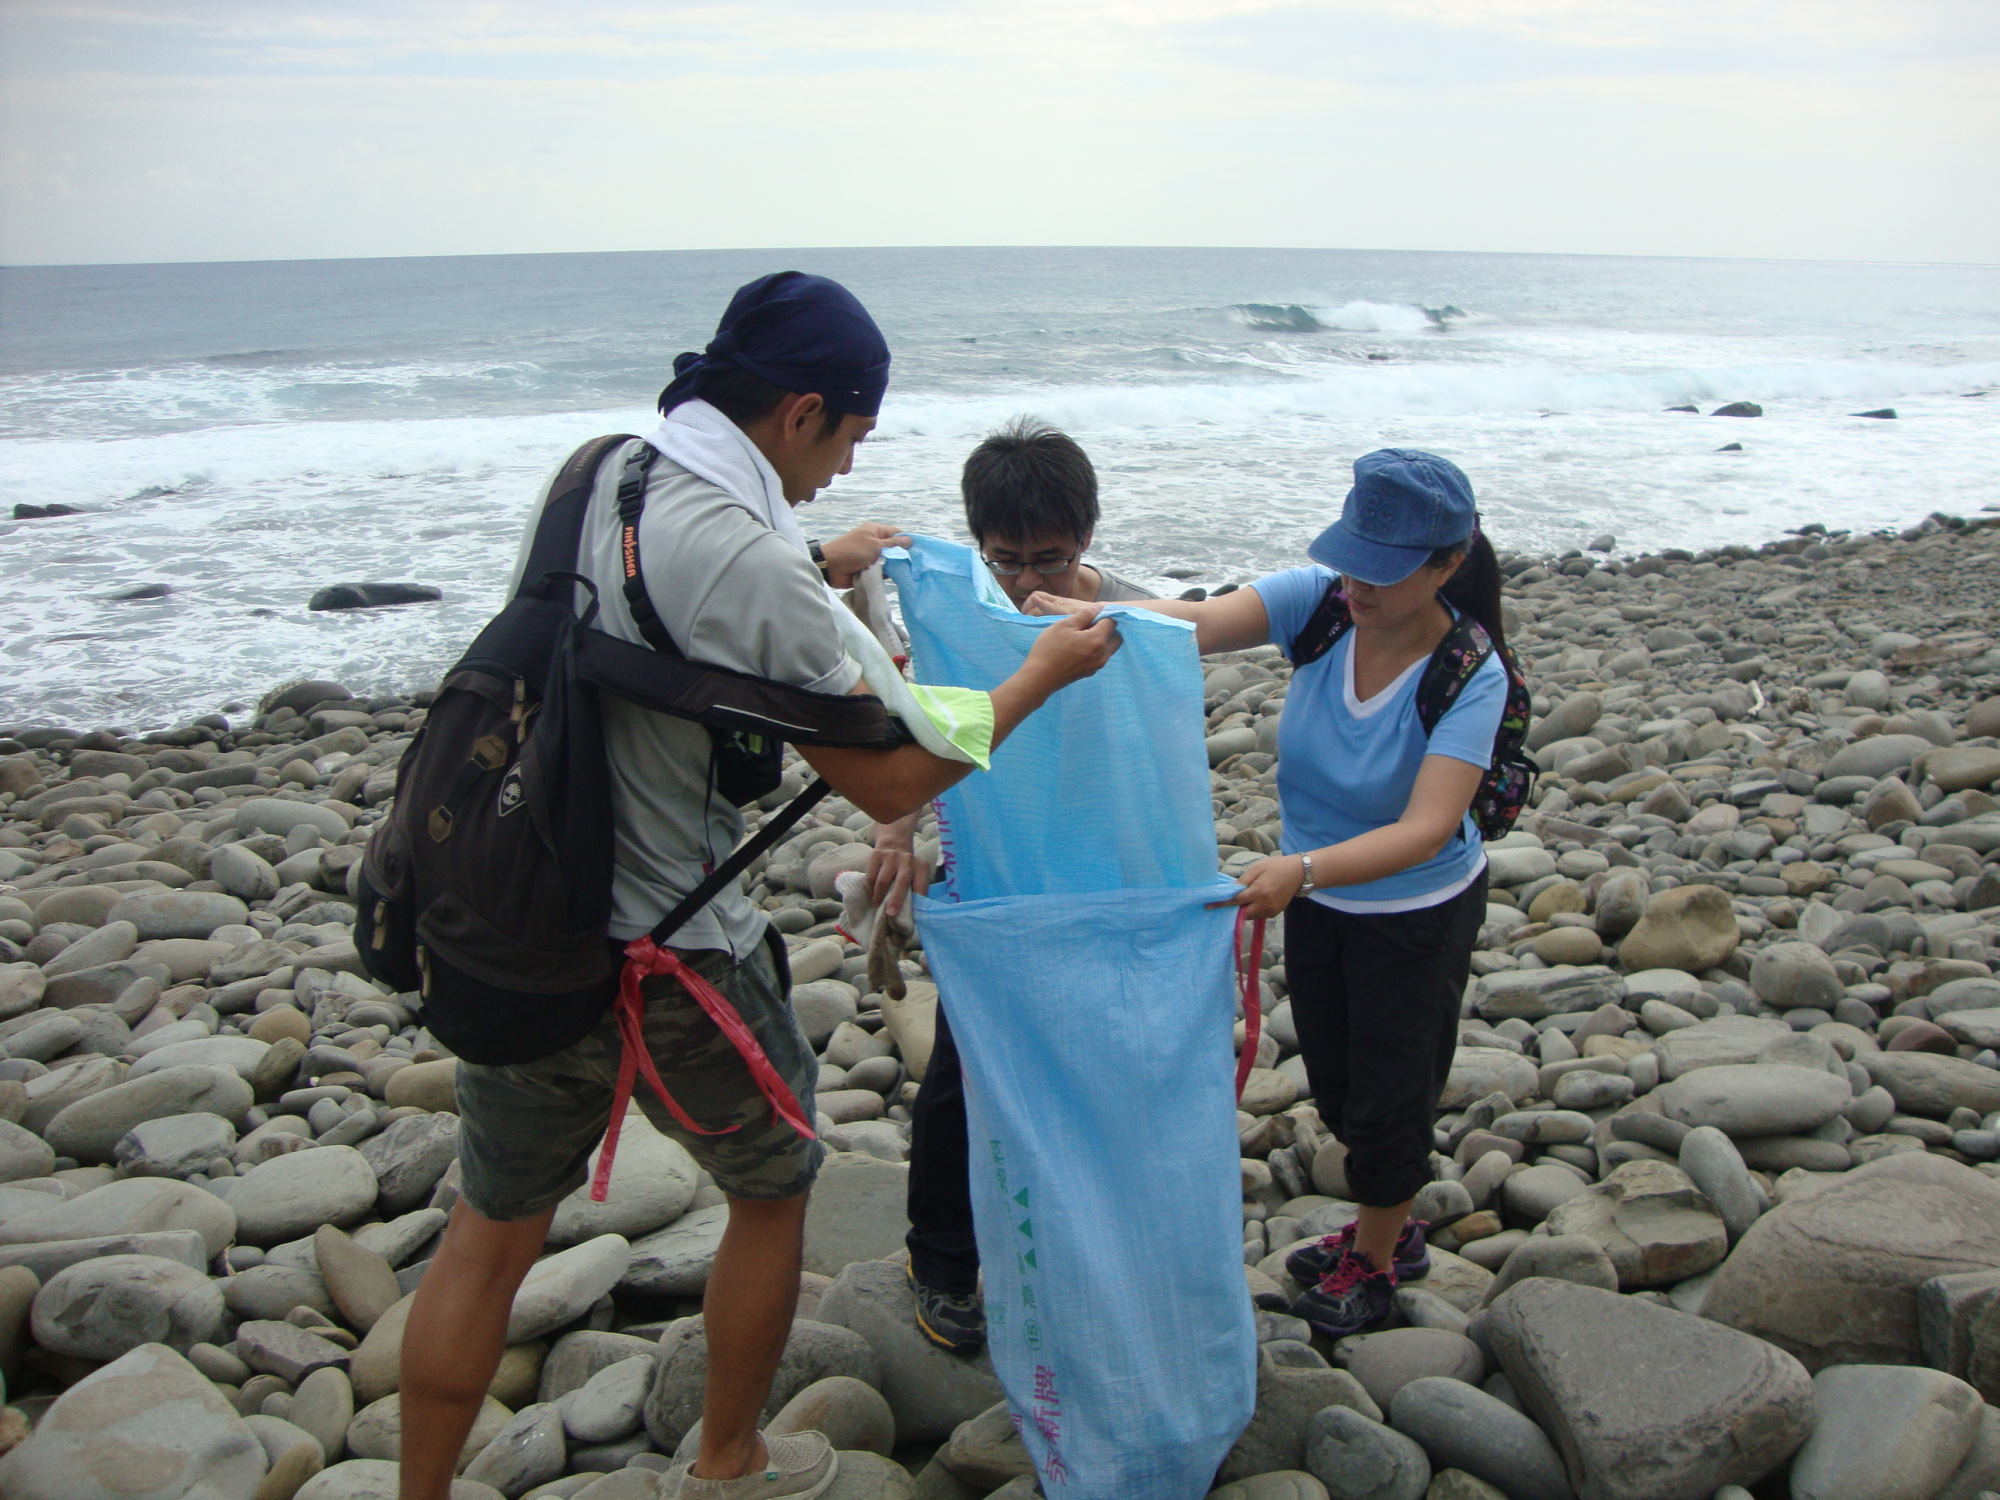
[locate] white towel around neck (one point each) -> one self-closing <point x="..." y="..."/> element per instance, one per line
<point x="710" y="446"/>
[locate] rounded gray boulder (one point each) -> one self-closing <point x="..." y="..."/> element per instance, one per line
<point x="91" y="1128"/>
<point x="109" y="1306"/>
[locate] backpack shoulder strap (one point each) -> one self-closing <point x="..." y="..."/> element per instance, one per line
<point x="1328" y="622"/>
<point x="1454" y="663"/>
<point x="775" y="827"/>
<point x="559" y="529"/>
<point x="631" y="509"/>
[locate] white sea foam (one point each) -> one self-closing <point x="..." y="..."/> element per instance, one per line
<point x="1392" y="390"/>
<point x="347" y="443"/>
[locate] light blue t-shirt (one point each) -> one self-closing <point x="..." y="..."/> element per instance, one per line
<point x="1346" y="767"/>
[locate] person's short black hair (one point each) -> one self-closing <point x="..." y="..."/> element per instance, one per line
<point x="745" y="398"/>
<point x="1027" y="479"/>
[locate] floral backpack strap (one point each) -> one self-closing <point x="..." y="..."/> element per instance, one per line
<point x="1504" y="790"/>
<point x="1328" y="622"/>
<point x="1458" y="658"/>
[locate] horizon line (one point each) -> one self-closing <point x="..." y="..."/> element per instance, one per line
<point x="252" y="260"/>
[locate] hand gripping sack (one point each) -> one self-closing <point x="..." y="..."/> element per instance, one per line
<point x="1090" y="993"/>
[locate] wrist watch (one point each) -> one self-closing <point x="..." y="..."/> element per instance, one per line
<point x="818" y="554"/>
<point x="1306" y="864"/>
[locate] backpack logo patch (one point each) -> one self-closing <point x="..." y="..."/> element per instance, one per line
<point x="513" y="793"/>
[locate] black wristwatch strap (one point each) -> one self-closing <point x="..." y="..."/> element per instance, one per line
<point x="818" y="554"/>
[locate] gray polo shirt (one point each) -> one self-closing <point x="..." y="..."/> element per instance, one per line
<point x="732" y="593"/>
<point x="1115" y="590"/>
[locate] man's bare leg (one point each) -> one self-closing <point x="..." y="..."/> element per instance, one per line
<point x="747" y="1314"/>
<point x="455" y="1336"/>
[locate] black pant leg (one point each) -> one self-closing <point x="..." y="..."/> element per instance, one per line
<point x="943" y="1250"/>
<point x="1316" y="988"/>
<point x="1405" y="975"/>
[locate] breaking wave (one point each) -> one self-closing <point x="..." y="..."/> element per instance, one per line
<point x="1358" y="316"/>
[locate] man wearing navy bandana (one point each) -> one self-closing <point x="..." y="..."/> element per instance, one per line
<point x="757" y="423"/>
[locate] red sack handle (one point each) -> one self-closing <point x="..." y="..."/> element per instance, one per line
<point x="643" y="960"/>
<point x="1253" y="996"/>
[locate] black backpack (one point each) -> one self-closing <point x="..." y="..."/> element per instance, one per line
<point x="1503" y="790"/>
<point x="488" y="886"/>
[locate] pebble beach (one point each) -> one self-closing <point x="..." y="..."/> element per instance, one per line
<point x="1717" y="1204"/>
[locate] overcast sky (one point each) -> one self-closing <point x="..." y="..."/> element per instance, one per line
<point x="271" y="129"/>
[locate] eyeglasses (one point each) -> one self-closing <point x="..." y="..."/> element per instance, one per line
<point x="1045" y="565"/>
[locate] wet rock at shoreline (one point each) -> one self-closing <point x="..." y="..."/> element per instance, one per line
<point x="373" y="595"/>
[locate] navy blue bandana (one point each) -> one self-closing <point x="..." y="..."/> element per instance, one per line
<point x="801" y="333"/>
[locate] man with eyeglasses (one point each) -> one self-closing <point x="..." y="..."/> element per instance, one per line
<point x="1031" y="505"/>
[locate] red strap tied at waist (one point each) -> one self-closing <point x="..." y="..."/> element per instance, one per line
<point x="643" y="960"/>
<point x="1253" y="996"/>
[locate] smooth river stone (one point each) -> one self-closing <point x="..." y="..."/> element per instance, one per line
<point x="1648" y="1217"/>
<point x="1885" y="1431"/>
<point x="653" y="1179"/>
<point x="105" y="1308"/>
<point x="1752" y="1099"/>
<point x="148" y="1426"/>
<point x="91" y="1128"/>
<point x="561" y="1288"/>
<point x="1832" y="1275"/>
<point x="133" y="1206"/>
<point x="180" y="914"/>
<point x="291" y="1196"/>
<point x="1925" y="1084"/>
<point x="1461" y="1427"/>
<point x="675" y="1261"/>
<point x="1717" y="1043"/>
<point x="1645" y="1402"/>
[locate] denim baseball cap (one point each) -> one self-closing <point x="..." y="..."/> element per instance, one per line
<point x="1403" y="507"/>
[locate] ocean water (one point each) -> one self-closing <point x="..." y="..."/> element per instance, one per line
<point x="245" y="433"/>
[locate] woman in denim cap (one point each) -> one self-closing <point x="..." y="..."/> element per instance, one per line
<point x="1382" y="878"/>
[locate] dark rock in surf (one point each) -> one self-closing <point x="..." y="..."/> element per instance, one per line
<point x="43" y="512"/>
<point x="144" y="591"/>
<point x="301" y="694"/>
<point x="1885" y="414"/>
<point x="1738" y="409"/>
<point x="1194" y="595"/>
<point x="373" y="595"/>
<point x="1730" y="448"/>
<point x="1695" y="409"/>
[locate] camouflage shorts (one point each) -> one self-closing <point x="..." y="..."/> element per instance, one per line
<point x="527" y="1129"/>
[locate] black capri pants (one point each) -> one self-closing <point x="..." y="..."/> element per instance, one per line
<point x="1375" y="999"/>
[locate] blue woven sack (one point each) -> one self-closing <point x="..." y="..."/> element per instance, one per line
<point x="1091" y="995"/>
<point x="1104" y="788"/>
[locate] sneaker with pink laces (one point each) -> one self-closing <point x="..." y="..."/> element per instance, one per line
<point x="1315" y="1258"/>
<point x="1350" y="1297"/>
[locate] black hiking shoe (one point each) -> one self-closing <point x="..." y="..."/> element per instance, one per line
<point x="1350" y="1297"/>
<point x="955" y="1321"/>
<point x="1311" y="1261"/>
